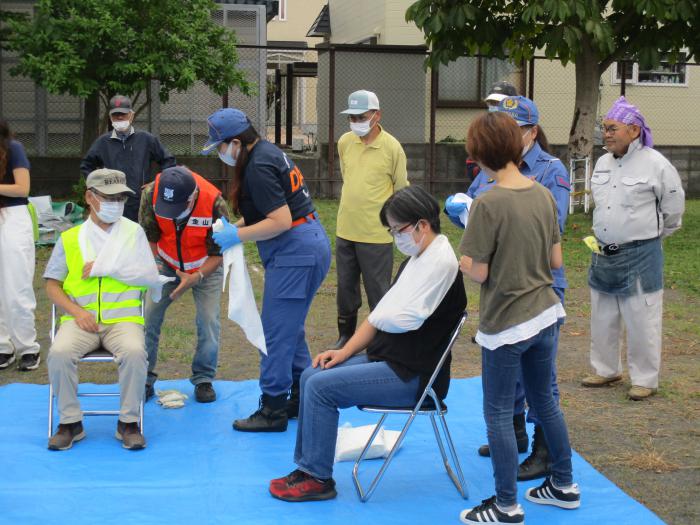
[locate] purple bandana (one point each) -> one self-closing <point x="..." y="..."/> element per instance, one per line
<point x="624" y="112"/>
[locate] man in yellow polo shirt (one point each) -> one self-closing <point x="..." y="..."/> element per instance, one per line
<point x="373" y="167"/>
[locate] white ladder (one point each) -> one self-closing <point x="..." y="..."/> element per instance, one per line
<point x="576" y="180"/>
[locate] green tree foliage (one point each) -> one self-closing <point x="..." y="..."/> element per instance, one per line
<point x="591" y="33"/>
<point x="94" y="49"/>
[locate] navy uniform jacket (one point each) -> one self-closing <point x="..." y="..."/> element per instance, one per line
<point x="133" y="154"/>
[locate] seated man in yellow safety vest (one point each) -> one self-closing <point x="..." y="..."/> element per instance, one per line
<point x="96" y="276"/>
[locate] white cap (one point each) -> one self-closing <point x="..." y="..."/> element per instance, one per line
<point x="361" y="101"/>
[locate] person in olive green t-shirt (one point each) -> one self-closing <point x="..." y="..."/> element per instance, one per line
<point x="373" y="167"/>
<point x="510" y="245"/>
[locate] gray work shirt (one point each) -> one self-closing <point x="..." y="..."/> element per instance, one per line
<point x="637" y="196"/>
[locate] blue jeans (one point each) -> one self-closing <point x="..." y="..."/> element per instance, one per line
<point x="354" y="382"/>
<point x="296" y="262"/>
<point x="519" y="407"/>
<point x="207" y="300"/>
<point x="500" y="371"/>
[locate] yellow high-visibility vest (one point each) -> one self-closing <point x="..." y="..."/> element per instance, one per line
<point x="110" y="300"/>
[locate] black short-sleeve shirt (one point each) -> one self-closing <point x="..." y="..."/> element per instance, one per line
<point x="271" y="180"/>
<point x="17" y="158"/>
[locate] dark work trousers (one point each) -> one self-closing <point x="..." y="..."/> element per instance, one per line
<point x="374" y="262"/>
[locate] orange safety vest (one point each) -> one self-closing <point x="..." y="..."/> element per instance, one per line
<point x="186" y="249"/>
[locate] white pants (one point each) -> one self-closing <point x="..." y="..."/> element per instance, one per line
<point x="641" y="314"/>
<point x="124" y="340"/>
<point x="17" y="301"/>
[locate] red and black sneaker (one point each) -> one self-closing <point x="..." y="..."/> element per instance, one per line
<point x="300" y="486"/>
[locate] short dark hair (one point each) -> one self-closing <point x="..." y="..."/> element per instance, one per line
<point x="411" y="205"/>
<point x="494" y="139"/>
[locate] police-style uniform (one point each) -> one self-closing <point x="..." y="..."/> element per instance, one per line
<point x="295" y="261"/>
<point x="639" y="200"/>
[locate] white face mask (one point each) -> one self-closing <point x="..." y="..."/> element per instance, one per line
<point x="186" y="212"/>
<point x="362" y="128"/>
<point x="528" y="147"/>
<point x="110" y="212"/>
<point x="406" y="244"/>
<point x="121" y="125"/>
<point x="227" y="157"/>
<point x="493" y="109"/>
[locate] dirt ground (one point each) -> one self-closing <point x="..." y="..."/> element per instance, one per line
<point x="651" y="449"/>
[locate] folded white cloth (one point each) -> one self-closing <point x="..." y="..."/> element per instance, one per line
<point x="242" y="309"/>
<point x="352" y="440"/>
<point x="171" y="398"/>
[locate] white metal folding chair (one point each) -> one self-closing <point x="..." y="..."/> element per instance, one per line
<point x="427" y="405"/>
<point x="99" y="355"/>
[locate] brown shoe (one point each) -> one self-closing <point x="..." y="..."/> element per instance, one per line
<point x="130" y="436"/>
<point x="638" y="393"/>
<point x="596" y="381"/>
<point x="66" y="435"/>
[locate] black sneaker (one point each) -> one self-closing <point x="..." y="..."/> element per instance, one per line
<point x="488" y="512"/>
<point x="29" y="362"/>
<point x="6" y="360"/>
<point x="548" y="494"/>
<point x="204" y="393"/>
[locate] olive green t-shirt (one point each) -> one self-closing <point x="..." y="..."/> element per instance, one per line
<point x="513" y="231"/>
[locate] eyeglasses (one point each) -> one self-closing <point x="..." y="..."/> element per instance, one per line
<point x="361" y="118"/>
<point x="119" y="197"/>
<point x="396" y="230"/>
<point x="609" y="130"/>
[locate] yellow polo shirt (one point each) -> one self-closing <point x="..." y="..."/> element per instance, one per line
<point x="371" y="174"/>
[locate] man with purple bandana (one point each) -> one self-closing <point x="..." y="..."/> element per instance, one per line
<point x="639" y="200"/>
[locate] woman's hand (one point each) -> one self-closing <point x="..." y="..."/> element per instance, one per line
<point x="227" y="236"/>
<point x="330" y="358"/>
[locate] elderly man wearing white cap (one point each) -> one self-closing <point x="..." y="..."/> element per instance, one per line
<point x="373" y="167"/>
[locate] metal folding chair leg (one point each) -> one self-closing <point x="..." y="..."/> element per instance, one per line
<point x="457" y="479"/>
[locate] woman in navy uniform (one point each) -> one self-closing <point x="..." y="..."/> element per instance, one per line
<point x="277" y="212"/>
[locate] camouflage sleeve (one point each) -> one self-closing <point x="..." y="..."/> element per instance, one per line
<point x="147" y="216"/>
<point x="220" y="210"/>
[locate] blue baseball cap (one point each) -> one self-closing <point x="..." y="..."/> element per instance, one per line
<point x="175" y="186"/>
<point x="522" y="109"/>
<point x="360" y="102"/>
<point x="223" y="124"/>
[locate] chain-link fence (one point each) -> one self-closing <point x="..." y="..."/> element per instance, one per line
<point x="301" y="92"/>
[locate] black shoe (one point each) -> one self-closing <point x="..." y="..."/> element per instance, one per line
<point x="346" y="328"/>
<point x="204" y="393"/>
<point x="520" y="437"/>
<point x="6" y="360"/>
<point x="292" y="404"/>
<point x="536" y="465"/>
<point x="488" y="512"/>
<point x="29" y="362"/>
<point x="66" y="435"/>
<point x="270" y="417"/>
<point x="548" y="494"/>
<point x="149" y="392"/>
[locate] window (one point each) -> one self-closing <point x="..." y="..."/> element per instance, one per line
<point x="282" y="11"/>
<point x="662" y="75"/>
<point x="466" y="81"/>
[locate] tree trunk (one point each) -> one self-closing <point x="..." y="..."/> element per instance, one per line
<point x="586" y="109"/>
<point x="91" y="121"/>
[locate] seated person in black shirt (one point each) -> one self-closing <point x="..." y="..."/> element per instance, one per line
<point x="404" y="335"/>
